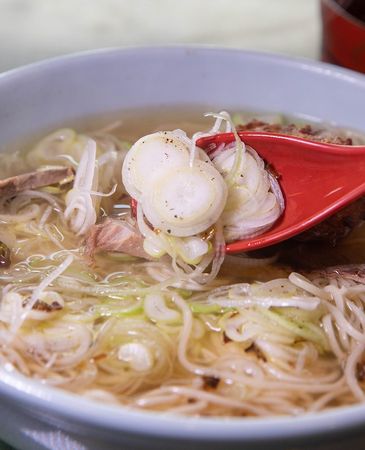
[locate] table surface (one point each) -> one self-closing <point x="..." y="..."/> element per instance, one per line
<point x="32" y="30"/>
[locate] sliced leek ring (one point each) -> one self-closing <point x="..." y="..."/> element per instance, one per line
<point x="151" y="156"/>
<point x="185" y="200"/>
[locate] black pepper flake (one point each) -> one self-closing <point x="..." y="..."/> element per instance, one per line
<point x="211" y="382"/>
<point x="254" y="349"/>
<point x="40" y="305"/>
<point x="169" y="231"/>
<point x="226" y="339"/>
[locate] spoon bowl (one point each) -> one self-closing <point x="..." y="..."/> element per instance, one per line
<point x="317" y="179"/>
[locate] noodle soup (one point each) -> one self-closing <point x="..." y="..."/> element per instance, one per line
<point x="277" y="332"/>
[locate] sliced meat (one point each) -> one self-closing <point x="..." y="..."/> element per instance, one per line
<point x="340" y="224"/>
<point x="116" y="235"/>
<point x="337" y="226"/>
<point x="305" y="132"/>
<point x="33" y="180"/>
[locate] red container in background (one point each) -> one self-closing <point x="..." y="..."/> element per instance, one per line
<point x="343" y="39"/>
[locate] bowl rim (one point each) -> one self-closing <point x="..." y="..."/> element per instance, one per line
<point x="304" y="63"/>
<point x="31" y="393"/>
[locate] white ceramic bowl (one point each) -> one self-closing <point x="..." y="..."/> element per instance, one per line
<point x="59" y="91"/>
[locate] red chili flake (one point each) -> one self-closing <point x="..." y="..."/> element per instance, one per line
<point x="134" y="207"/>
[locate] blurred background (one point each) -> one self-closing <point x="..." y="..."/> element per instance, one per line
<point x="31" y="30"/>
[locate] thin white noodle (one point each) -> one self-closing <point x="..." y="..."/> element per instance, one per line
<point x="321" y="402"/>
<point x="311" y="386"/>
<point x="344" y="324"/>
<point x="42" y="195"/>
<point x="191" y="408"/>
<point x="335" y="346"/>
<point x="45" y="216"/>
<point x="350" y="371"/>
<point x="337" y="295"/>
<point x="38" y="290"/>
<point x="213" y="398"/>
<point x="302" y="282"/>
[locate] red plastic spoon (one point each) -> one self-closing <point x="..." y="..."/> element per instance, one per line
<point x="317" y="179"/>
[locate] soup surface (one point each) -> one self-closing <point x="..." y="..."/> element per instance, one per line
<point x="277" y="332"/>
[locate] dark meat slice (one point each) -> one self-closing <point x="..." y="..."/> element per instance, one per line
<point x="116" y="235"/>
<point x="337" y="226"/>
<point x="33" y="180"/>
<point x="340" y="224"/>
<point x="305" y="132"/>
